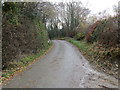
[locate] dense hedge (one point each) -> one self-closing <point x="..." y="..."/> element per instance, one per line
<point x="104" y="31"/>
<point x="23" y="34"/>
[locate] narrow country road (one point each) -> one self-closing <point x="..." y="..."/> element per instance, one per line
<point x="62" y="67"/>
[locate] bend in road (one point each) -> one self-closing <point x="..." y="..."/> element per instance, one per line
<point x="63" y="67"/>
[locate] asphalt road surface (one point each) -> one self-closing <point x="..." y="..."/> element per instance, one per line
<point x="62" y="67"/>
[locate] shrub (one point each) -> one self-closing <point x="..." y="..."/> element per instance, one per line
<point x="90" y="37"/>
<point x="80" y="36"/>
<point x="105" y="32"/>
<point x="109" y="34"/>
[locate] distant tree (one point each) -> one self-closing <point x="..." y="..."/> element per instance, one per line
<point x="72" y="14"/>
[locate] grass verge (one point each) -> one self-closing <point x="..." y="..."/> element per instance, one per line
<point x="23" y="64"/>
<point x="101" y="58"/>
<point x="82" y="46"/>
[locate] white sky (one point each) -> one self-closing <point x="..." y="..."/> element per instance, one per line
<point x="95" y="5"/>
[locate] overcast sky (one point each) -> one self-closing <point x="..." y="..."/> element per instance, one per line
<point x="95" y="5"/>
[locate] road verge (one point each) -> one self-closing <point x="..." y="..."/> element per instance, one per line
<point x="96" y="57"/>
<point x="23" y="64"/>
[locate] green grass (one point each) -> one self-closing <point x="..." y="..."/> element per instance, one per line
<point x="29" y="59"/>
<point x="83" y="46"/>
